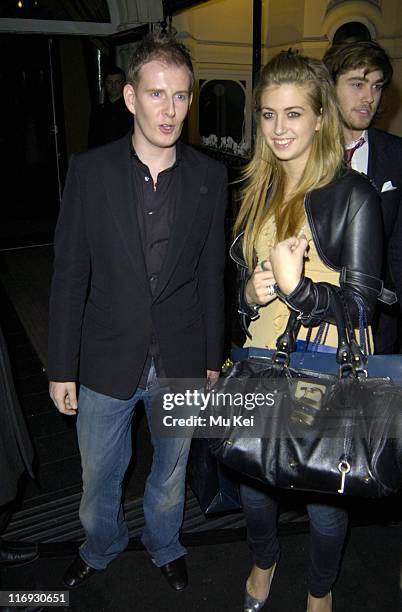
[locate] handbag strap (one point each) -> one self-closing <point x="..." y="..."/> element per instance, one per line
<point x="349" y="355"/>
<point x="364" y="335"/>
<point x="286" y="342"/>
<point x="344" y="352"/>
<point x="320" y="337"/>
<point x="358" y="356"/>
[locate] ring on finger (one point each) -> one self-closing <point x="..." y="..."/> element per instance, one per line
<point x="270" y="289"/>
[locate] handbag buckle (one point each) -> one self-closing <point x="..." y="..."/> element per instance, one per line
<point x="281" y="358"/>
<point x="345" y="369"/>
<point x="309" y="397"/>
<point x="361" y="371"/>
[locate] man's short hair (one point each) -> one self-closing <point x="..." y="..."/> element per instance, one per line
<point x="365" y="54"/>
<point x="114" y="70"/>
<point x="163" y="47"/>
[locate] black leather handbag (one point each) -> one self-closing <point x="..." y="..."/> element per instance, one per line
<point x="333" y="433"/>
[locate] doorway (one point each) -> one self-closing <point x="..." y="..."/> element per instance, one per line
<point x="30" y="140"/>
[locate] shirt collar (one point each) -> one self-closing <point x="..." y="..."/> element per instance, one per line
<point x="352" y="144"/>
<point x="179" y="154"/>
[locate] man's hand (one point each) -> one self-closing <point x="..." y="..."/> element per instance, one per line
<point x="212" y="377"/>
<point x="64" y="396"/>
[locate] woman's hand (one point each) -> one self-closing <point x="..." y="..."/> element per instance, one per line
<point x="259" y="288"/>
<point x="287" y="262"/>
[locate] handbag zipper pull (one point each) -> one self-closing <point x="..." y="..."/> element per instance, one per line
<point x="344" y="468"/>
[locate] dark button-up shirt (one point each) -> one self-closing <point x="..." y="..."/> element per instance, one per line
<point x="155" y="209"/>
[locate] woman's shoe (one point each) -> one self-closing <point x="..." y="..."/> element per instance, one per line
<point x="319" y="604"/>
<point x="251" y="604"/>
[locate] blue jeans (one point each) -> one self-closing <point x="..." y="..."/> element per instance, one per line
<point x="328" y="527"/>
<point x="104" y="438"/>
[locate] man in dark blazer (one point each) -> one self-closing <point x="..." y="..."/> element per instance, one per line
<point x="361" y="71"/>
<point x="137" y="296"/>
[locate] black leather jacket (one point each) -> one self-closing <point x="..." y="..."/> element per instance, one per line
<point x="346" y="226"/>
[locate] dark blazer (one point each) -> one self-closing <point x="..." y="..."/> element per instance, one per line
<point x="385" y="164"/>
<point x="102" y="312"/>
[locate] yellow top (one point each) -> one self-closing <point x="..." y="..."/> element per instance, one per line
<point x="274" y="316"/>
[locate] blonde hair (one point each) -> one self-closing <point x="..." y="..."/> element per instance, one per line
<point x="264" y="171"/>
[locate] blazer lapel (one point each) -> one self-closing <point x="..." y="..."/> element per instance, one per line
<point x="373" y="153"/>
<point x="191" y="184"/>
<point x="118" y="180"/>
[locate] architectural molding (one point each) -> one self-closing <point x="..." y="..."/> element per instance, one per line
<point x="124" y="15"/>
<point x="331" y="26"/>
<point x="339" y="13"/>
<point x="48" y="26"/>
<point x="131" y="13"/>
<point x="333" y="3"/>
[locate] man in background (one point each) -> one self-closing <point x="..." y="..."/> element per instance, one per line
<point x="111" y="120"/>
<point x="361" y="71"/>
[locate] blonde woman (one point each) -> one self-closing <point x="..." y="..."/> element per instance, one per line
<point x="304" y="220"/>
